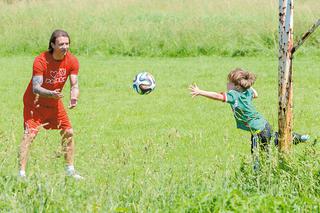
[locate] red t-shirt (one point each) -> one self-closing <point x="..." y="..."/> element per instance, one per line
<point x="55" y="74"/>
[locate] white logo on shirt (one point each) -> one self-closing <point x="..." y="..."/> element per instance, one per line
<point x="57" y="76"/>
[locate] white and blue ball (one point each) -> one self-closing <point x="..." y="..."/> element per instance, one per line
<point x="144" y="83"/>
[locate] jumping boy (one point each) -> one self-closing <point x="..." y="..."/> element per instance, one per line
<point x="240" y="95"/>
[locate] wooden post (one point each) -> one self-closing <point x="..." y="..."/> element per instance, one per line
<point x="285" y="89"/>
<point x="285" y="71"/>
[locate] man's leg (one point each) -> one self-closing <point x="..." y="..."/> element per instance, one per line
<point x="32" y="124"/>
<point x="67" y="143"/>
<point x="24" y="150"/>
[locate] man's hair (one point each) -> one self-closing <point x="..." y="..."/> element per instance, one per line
<point x="55" y="35"/>
<point x="242" y="78"/>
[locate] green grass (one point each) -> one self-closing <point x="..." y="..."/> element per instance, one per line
<point x="173" y="28"/>
<point x="162" y="152"/>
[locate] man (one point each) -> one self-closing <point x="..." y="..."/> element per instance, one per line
<point x="43" y="106"/>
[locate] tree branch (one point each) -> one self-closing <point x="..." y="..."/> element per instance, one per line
<point x="305" y="36"/>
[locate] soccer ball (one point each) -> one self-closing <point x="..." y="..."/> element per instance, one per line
<point x="144" y="83"/>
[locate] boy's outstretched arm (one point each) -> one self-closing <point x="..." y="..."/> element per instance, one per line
<point x="195" y="91"/>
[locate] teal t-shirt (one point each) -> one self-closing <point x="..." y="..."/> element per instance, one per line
<point x="247" y="117"/>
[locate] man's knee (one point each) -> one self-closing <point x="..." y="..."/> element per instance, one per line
<point x="68" y="133"/>
<point x="30" y="133"/>
<point x="29" y="136"/>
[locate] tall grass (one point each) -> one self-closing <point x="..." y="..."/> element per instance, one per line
<point x="162" y="152"/>
<point x="153" y="27"/>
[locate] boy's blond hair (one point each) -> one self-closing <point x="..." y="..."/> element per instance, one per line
<point x="241" y="78"/>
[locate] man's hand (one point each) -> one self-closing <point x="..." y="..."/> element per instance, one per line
<point x="37" y="89"/>
<point x="73" y="103"/>
<point x="56" y="94"/>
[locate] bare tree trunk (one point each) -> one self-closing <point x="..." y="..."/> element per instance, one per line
<point x="285" y="88"/>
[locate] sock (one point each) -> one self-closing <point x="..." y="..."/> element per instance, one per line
<point x="69" y="169"/>
<point x="22" y="173"/>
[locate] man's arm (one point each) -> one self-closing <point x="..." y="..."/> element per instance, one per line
<point x="39" y="90"/>
<point x="74" y="91"/>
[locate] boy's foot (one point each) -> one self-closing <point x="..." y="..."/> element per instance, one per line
<point x="304" y="138"/>
<point x="300" y="138"/>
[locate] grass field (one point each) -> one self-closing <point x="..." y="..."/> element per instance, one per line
<point x="163" y="152"/>
<point x="160" y="152"/>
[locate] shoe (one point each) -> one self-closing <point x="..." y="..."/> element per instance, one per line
<point x="304" y="138"/>
<point x="300" y="138"/>
<point x="75" y="175"/>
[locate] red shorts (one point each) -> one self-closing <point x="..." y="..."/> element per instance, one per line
<point x="46" y="117"/>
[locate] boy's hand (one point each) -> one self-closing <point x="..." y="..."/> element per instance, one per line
<point x="194" y="90"/>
